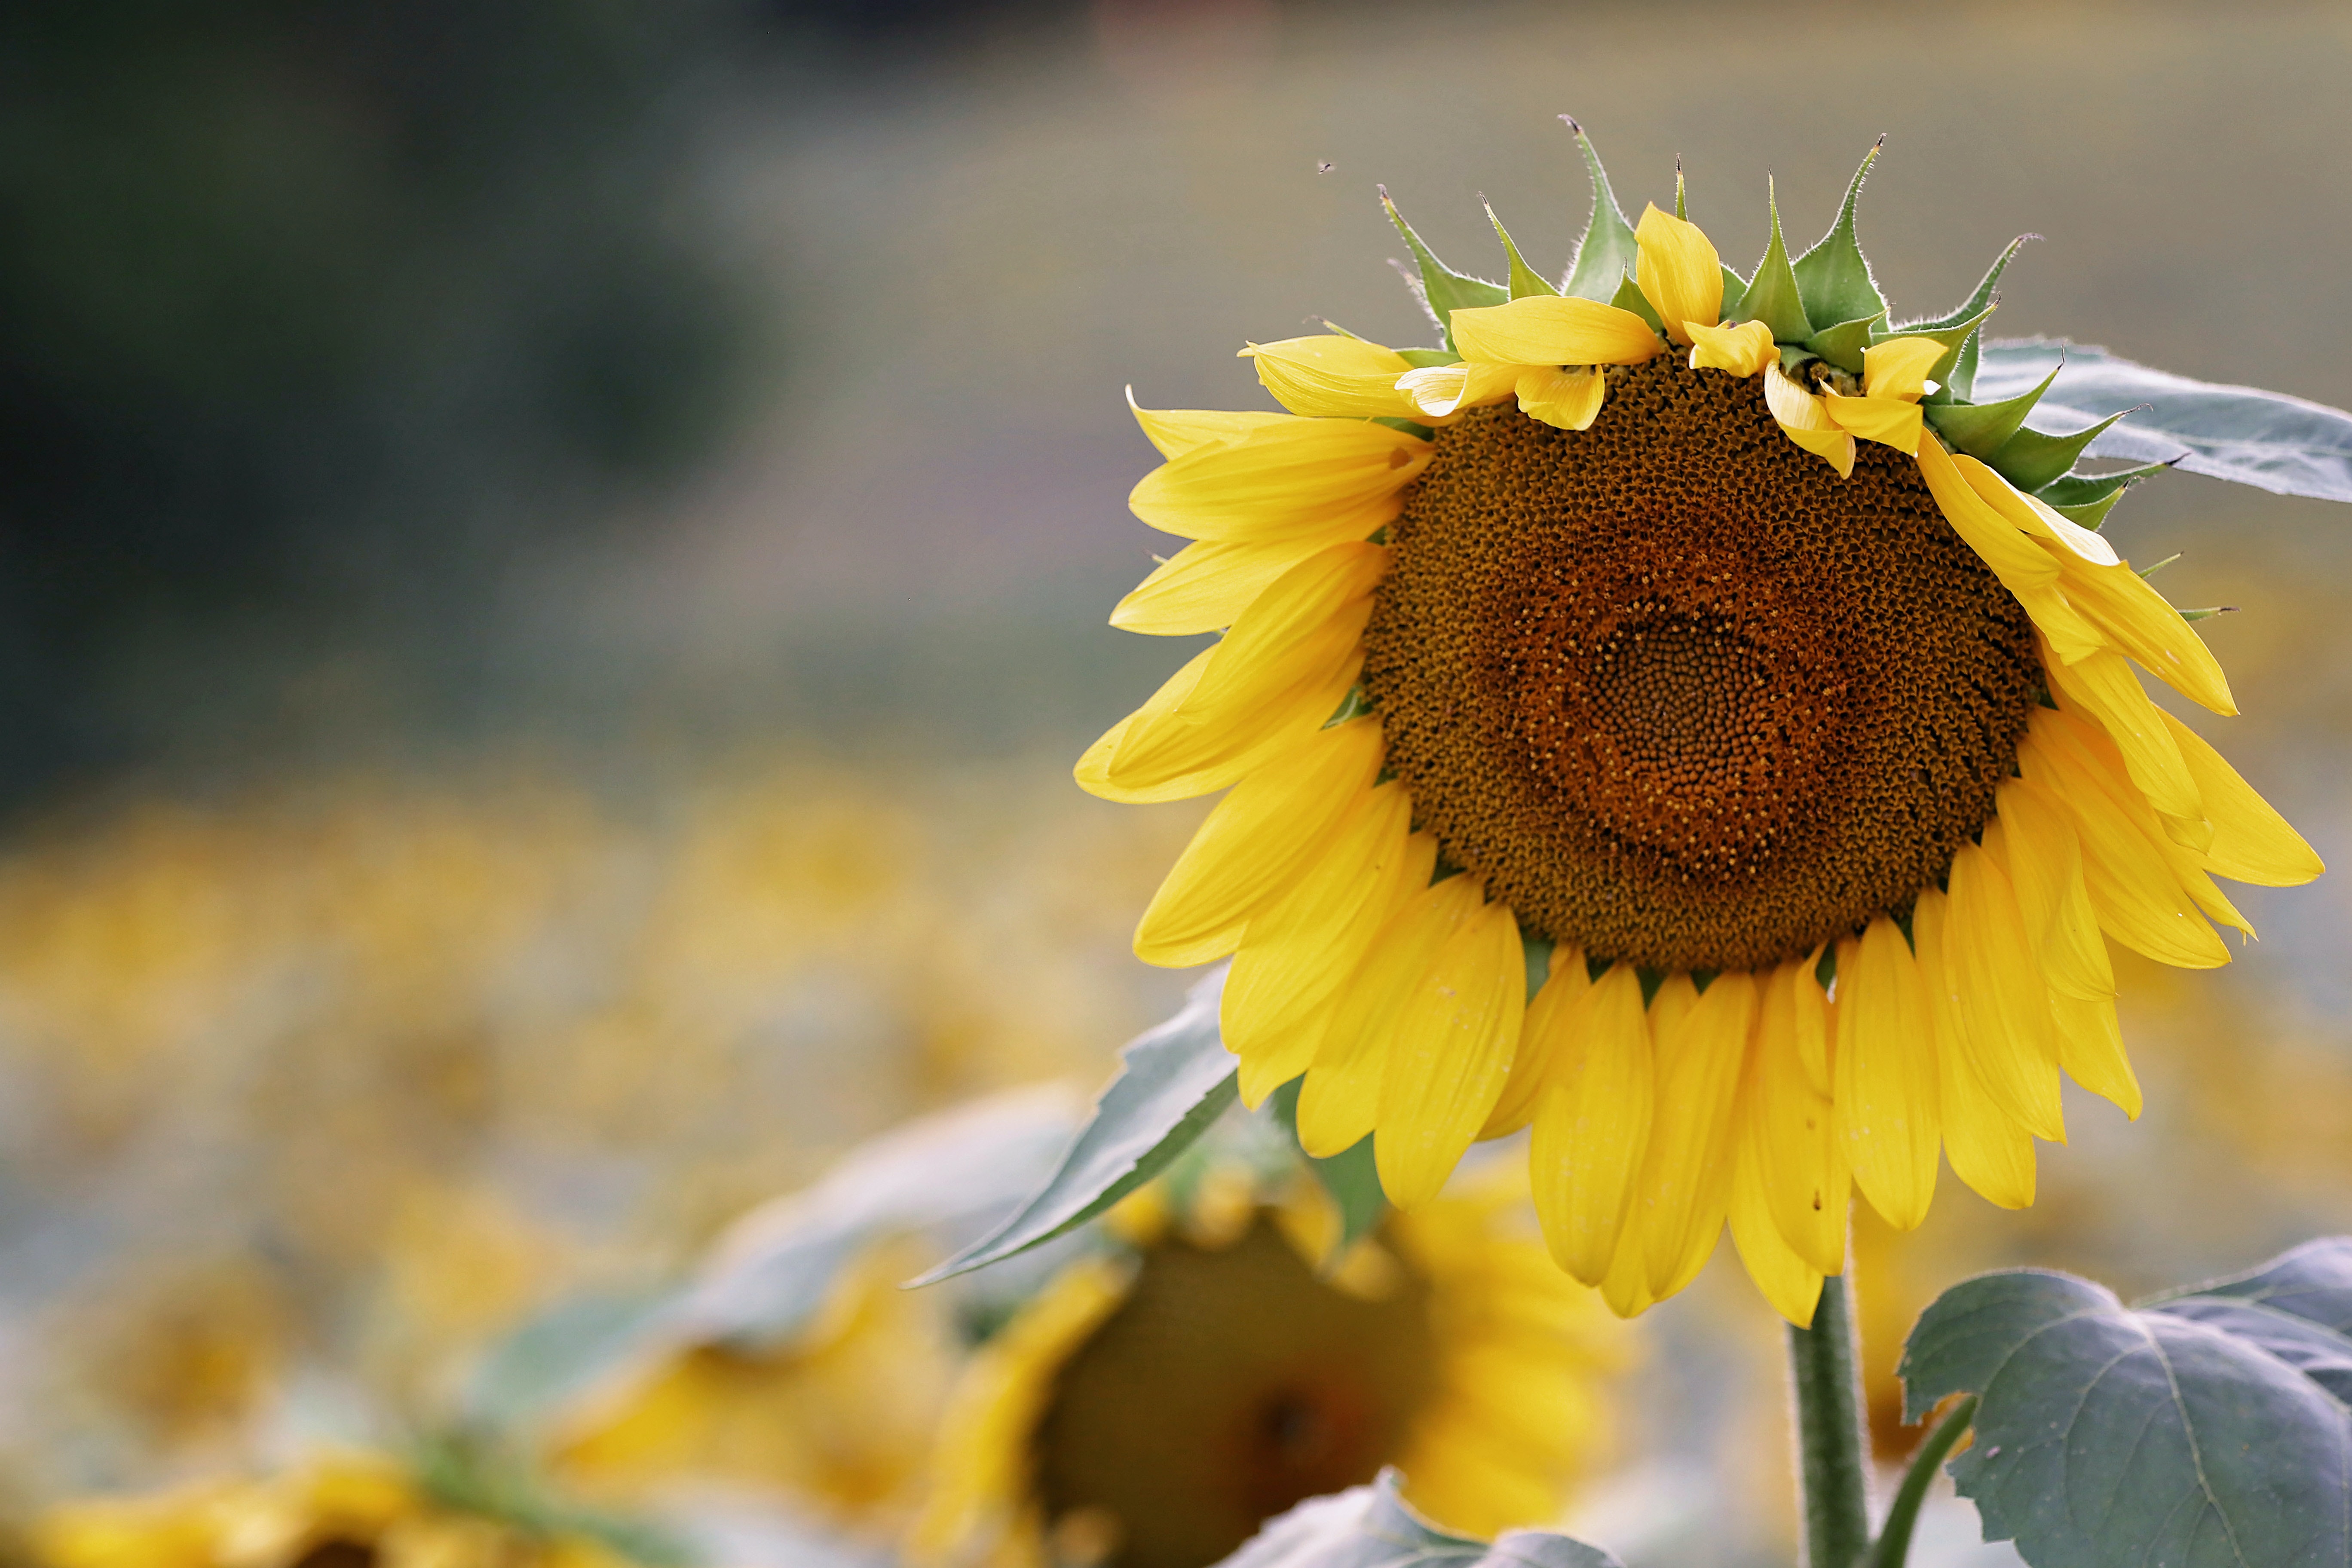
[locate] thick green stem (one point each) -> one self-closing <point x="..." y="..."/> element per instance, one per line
<point x="1834" y="1457"/>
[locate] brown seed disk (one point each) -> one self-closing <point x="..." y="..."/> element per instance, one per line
<point x="1678" y="693"/>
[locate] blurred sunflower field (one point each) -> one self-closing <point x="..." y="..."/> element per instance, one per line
<point x="551" y="571"/>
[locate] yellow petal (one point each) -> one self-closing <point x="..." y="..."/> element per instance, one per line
<point x="1686" y="1174"/>
<point x="1254" y="844"/>
<point x="1093" y="771"/>
<point x="1593" y="1125"/>
<point x="1439" y="391"/>
<point x="2252" y="842"/>
<point x="1989" y="1151"/>
<point x="1788" y="1122"/>
<point x="1886" y="1105"/>
<point x="2075" y="544"/>
<point x="1455" y="1038"/>
<point x="1550" y="329"/>
<point x="1625" y="1288"/>
<point x="1333" y="375"/>
<point x="2091" y="1049"/>
<point x="1744" y="350"/>
<point x="1899" y="367"/>
<point x="1568" y="399"/>
<point x="1295" y="956"/>
<point x="1206" y="586"/>
<point x="2179" y="844"/>
<point x="1340" y="1103"/>
<point x="2024" y="568"/>
<point x="1290" y="658"/>
<point x="1176" y="431"/>
<point x="2034" y="843"/>
<point x="2139" y="901"/>
<point x="1889" y="421"/>
<point x="1998" y="998"/>
<point x="1678" y="272"/>
<point x="2136" y="619"/>
<point x="2105" y="690"/>
<point x="1788" y="1282"/>
<point x="1812" y="1006"/>
<point x="1283" y="480"/>
<point x="1541" y="1043"/>
<point x="1805" y="420"/>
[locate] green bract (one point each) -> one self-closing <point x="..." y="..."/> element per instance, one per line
<point x="1826" y="305"/>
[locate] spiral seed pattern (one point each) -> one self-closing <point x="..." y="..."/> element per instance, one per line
<point x="1678" y="693"/>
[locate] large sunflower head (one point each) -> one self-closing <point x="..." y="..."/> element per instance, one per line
<point x="1157" y="1401"/>
<point x="1672" y="713"/>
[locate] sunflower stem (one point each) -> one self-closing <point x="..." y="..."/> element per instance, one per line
<point x="1825" y="1368"/>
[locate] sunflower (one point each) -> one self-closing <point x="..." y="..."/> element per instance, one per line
<point x="1671" y="714"/>
<point x="348" y="1510"/>
<point x="1151" y="1406"/>
<point x="837" y="1419"/>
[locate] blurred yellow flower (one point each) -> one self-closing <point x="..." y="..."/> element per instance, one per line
<point x="838" y="1421"/>
<point x="345" y="1511"/>
<point x="1152" y="1411"/>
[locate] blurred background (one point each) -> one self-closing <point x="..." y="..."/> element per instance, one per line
<point x="553" y="559"/>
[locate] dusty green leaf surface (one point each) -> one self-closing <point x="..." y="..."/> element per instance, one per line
<point x="1371" y="1527"/>
<point x="1173" y="1082"/>
<point x="2207" y="1429"/>
<point x="2243" y="434"/>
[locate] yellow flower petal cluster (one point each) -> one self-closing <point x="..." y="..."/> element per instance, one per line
<point x="1667" y="1101"/>
<point x="351" y="1508"/>
<point x="1445" y="1343"/>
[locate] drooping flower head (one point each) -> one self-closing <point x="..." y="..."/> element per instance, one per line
<point x="1671" y="712"/>
<point x="1226" y="1357"/>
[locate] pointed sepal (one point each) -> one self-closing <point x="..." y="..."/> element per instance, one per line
<point x="1842" y="345"/>
<point x="1442" y="290"/>
<point x="1833" y="277"/>
<point x="1771" y="296"/>
<point x="2086" y="498"/>
<point x="1960" y="377"/>
<point x="1953" y="338"/>
<point x="1607" y="251"/>
<point x="2030" y="459"/>
<point x="1982" y="429"/>
<point x="1524" y="279"/>
<point x="1629" y="296"/>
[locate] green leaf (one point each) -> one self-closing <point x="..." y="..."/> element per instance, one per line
<point x="1349" y="1176"/>
<point x="2030" y="459"/>
<point x="1772" y="297"/>
<point x="1525" y="279"/>
<point x="1607" y="251"/>
<point x="1981" y="430"/>
<point x="1442" y="290"/>
<point x="1173" y="1082"/>
<point x="2266" y="439"/>
<point x="958" y="1169"/>
<point x="1629" y="296"/>
<point x="1842" y="345"/>
<point x="2210" y="1429"/>
<point x="1834" y="277"/>
<point x="1420" y="358"/>
<point x="1371" y="1527"/>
